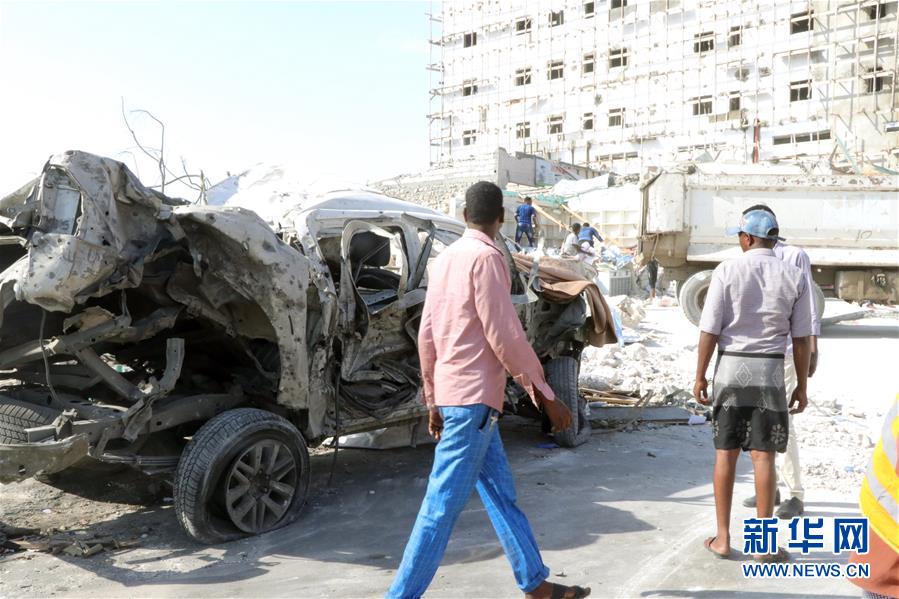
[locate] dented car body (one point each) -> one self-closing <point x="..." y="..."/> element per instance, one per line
<point x="142" y="330"/>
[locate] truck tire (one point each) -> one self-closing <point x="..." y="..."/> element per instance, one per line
<point x="692" y="295"/>
<point x="561" y="374"/>
<point x="16" y="416"/>
<point x="819" y="300"/>
<point x="245" y="472"/>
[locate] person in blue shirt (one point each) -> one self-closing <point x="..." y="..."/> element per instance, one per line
<point x="588" y="233"/>
<point x="526" y="218"/>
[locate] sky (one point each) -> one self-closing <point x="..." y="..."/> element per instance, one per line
<point x="336" y="88"/>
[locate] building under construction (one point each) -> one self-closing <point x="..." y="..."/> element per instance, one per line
<point x="628" y="84"/>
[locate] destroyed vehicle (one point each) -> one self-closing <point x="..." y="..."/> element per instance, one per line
<point x="196" y="342"/>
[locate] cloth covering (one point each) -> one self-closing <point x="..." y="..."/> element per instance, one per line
<point x="559" y="284"/>
<point x="749" y="402"/>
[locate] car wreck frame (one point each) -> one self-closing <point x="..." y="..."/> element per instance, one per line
<point x="142" y="330"/>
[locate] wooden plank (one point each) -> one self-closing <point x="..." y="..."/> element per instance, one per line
<point x="579" y="218"/>
<point x="671" y="414"/>
<point x="549" y="217"/>
<point x="615" y="402"/>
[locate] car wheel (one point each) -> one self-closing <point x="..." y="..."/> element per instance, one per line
<point x="692" y="295"/>
<point x="245" y="472"/>
<point x="561" y="374"/>
<point x="16" y="416"/>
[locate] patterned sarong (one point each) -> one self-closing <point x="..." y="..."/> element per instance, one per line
<point x="749" y="402"/>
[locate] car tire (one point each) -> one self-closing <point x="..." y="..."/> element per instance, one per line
<point x="16" y="416"/>
<point x="692" y="295"/>
<point x="241" y="448"/>
<point x="562" y="376"/>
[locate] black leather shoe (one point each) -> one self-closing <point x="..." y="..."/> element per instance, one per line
<point x="793" y="508"/>
<point x="750" y="501"/>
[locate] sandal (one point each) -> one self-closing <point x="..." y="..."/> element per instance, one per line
<point x="560" y="590"/>
<point x="708" y="545"/>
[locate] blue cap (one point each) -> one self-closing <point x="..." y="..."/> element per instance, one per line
<point x="758" y="223"/>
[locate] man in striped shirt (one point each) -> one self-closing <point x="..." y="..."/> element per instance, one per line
<point x="755" y="304"/>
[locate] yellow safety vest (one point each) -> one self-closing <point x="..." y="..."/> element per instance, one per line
<point x="880" y="490"/>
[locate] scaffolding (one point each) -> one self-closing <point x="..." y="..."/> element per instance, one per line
<point x="667" y="81"/>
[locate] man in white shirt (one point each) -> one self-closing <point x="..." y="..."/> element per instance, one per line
<point x="790" y="471"/>
<point x="754" y="305"/>
<point x="571" y="246"/>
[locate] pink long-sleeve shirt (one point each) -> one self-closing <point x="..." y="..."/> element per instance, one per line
<point x="470" y="335"/>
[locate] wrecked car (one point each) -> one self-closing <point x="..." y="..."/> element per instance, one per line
<point x="197" y="342"/>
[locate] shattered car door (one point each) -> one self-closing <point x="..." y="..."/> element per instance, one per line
<point x="379" y="368"/>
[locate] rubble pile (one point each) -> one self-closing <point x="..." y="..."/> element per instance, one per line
<point x="634" y="370"/>
<point x="433" y="194"/>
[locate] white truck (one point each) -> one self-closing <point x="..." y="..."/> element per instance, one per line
<point x="848" y="225"/>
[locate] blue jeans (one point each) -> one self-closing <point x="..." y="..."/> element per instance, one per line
<point x="526" y="229"/>
<point x="469" y="455"/>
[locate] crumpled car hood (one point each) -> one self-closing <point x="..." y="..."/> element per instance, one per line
<point x="92" y="223"/>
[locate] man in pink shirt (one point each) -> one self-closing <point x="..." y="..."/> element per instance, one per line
<point x="469" y="338"/>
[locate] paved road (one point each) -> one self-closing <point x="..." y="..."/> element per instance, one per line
<point x="607" y="514"/>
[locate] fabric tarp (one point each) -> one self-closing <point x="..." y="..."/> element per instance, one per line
<point x="560" y="284"/>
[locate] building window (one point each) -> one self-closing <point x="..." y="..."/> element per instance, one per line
<point x="588" y="121"/>
<point x="469" y="88"/>
<point x="616" y="117"/>
<point x="617" y="4"/>
<point x="555" y="124"/>
<point x="589" y="10"/>
<point x="705" y="42"/>
<point x="734" y="102"/>
<point x="523" y="25"/>
<point x="469" y="136"/>
<point x="735" y="37"/>
<point x="618" y="58"/>
<point x="554" y="70"/>
<point x="801" y="22"/>
<point x="702" y="105"/>
<point x="877" y="80"/>
<point x="800" y="90"/>
<point x="522" y="130"/>
<point x="589" y="62"/>
<point x="799" y="138"/>
<point x="556" y="18"/>
<point x="878" y="11"/>
<point x="523" y="77"/>
<point x="469" y="39"/>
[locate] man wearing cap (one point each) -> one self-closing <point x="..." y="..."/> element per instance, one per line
<point x="790" y="471"/>
<point x="755" y="304"/>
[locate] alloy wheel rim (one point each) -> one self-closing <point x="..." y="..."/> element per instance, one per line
<point x="261" y="485"/>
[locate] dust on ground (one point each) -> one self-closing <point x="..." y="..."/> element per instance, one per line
<point x="625" y="513"/>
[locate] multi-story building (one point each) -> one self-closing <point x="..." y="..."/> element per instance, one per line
<point x="628" y="84"/>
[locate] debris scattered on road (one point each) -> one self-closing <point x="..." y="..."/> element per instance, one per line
<point x="659" y="414"/>
<point x="14" y="539"/>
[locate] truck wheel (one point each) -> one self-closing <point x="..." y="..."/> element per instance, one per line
<point x="16" y="416"/>
<point x="819" y="300"/>
<point x="245" y="472"/>
<point x="561" y="374"/>
<point x="692" y="295"/>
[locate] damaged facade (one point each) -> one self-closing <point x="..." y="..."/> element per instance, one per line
<point x="743" y="81"/>
<point x="138" y="329"/>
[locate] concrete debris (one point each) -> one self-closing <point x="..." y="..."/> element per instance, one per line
<point x="632" y="309"/>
